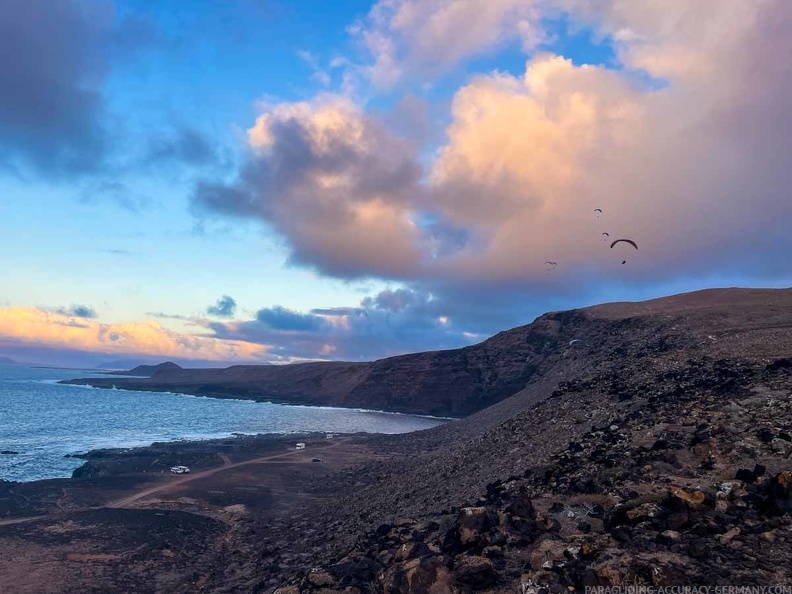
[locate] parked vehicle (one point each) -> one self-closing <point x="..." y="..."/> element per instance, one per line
<point x="180" y="470"/>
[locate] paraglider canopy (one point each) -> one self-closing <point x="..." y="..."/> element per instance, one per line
<point x="606" y="234"/>
<point x="576" y="340"/>
<point x="597" y="210"/>
<point x="630" y="241"/>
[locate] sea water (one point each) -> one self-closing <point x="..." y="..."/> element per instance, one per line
<point x="43" y="421"/>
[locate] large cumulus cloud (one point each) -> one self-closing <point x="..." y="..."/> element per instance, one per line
<point x="682" y="146"/>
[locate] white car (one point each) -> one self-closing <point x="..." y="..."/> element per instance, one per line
<point x="180" y="470"/>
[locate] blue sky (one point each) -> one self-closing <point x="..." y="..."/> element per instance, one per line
<point x="365" y="179"/>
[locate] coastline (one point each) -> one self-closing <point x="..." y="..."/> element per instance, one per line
<point x="296" y="401"/>
<point x="85" y="383"/>
<point x="50" y="459"/>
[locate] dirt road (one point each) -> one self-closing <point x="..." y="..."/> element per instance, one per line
<point x="20" y="520"/>
<point x="227" y="465"/>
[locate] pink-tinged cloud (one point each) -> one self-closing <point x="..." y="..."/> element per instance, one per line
<point x="427" y="37"/>
<point x="684" y="148"/>
<point x="31" y="327"/>
<point x="332" y="178"/>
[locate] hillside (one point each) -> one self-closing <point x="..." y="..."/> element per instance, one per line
<point x="658" y="455"/>
<point x="7" y="361"/>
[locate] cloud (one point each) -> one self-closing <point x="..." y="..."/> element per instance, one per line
<point x="183" y="145"/>
<point x="53" y="115"/>
<point x="428" y="37"/>
<point x="395" y="321"/>
<point x="167" y="316"/>
<point x="78" y="311"/>
<point x="333" y="181"/>
<point x="681" y="145"/>
<point x="281" y="318"/>
<point x="397" y="300"/>
<point x="27" y="328"/>
<point x="683" y="169"/>
<point x="319" y="74"/>
<point x="116" y="191"/>
<point x="224" y="308"/>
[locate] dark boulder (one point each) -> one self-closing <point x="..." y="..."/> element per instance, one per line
<point x="429" y="575"/>
<point x="474" y="571"/>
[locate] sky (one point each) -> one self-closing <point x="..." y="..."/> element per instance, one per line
<point x="234" y="181"/>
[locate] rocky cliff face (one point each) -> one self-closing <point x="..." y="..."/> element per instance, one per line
<point x="445" y="383"/>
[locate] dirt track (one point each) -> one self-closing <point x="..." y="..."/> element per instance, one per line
<point x="228" y="465"/>
<point x="20" y="520"/>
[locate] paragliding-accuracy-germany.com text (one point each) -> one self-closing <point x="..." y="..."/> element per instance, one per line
<point x="688" y="589"/>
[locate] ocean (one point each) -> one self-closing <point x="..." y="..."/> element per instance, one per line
<point x="43" y="421"/>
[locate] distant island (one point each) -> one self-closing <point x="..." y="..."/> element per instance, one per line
<point x="7" y="361"/>
<point x="149" y="370"/>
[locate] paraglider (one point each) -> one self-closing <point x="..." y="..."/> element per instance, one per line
<point x="606" y="234"/>
<point x="624" y="261"/>
<point x="630" y="241"/>
<point x="577" y="340"/>
<point x="599" y="210"/>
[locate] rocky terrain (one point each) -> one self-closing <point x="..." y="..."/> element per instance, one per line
<point x="657" y="455"/>
<point x="686" y="484"/>
<point x="655" y="451"/>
